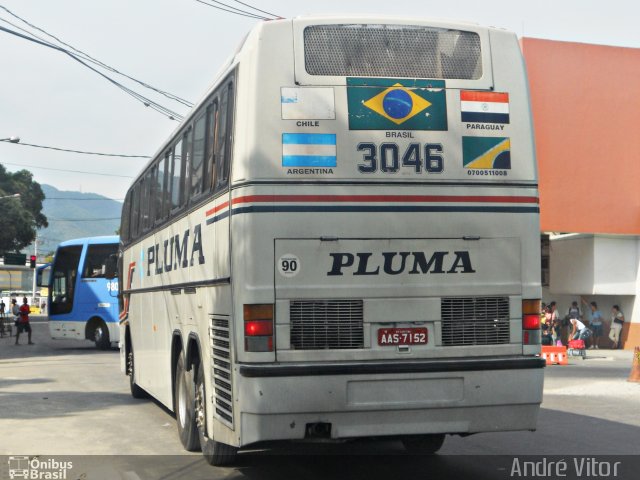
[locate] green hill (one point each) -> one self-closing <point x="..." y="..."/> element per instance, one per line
<point x="76" y="215"/>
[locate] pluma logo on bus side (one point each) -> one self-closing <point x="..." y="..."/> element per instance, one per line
<point x="395" y="263"/>
<point x="174" y="253"/>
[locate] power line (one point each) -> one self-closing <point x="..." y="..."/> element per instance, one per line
<point x="85" y="199"/>
<point x="141" y="98"/>
<point x="88" y="57"/>
<point x="76" y="151"/>
<point x="245" y="14"/>
<point x="251" y="6"/>
<point x="81" y="219"/>
<point x="65" y="170"/>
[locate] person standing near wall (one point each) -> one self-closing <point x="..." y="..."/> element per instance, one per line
<point x="595" y="323"/>
<point x="617" y="321"/>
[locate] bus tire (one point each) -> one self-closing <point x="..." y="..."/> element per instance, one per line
<point x="215" y="453"/>
<point x="101" y="335"/>
<point x="184" y="400"/>
<point x="423" y="444"/>
<point x="136" y="391"/>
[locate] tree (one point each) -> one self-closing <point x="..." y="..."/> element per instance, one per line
<point x="19" y="217"/>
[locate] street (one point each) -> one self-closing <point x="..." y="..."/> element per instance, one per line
<point x="65" y="398"/>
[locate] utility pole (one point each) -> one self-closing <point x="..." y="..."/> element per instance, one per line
<point x="35" y="252"/>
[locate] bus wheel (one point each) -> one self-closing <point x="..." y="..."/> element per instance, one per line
<point x="215" y="453"/>
<point x="184" y="399"/>
<point x="136" y="391"/>
<point x="101" y="335"/>
<point x="423" y="444"/>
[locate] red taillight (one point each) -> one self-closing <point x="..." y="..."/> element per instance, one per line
<point x="258" y="328"/>
<point x="531" y="334"/>
<point x="531" y="321"/>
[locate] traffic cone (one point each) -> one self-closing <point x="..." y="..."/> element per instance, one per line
<point x="634" y="376"/>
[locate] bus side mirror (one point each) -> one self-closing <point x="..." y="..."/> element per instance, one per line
<point x="43" y="274"/>
<point x="111" y="266"/>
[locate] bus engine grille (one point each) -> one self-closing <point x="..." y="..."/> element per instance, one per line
<point x="220" y="344"/>
<point x="326" y="324"/>
<point x="475" y="321"/>
<point x="392" y="51"/>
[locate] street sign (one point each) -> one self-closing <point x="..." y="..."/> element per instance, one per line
<point x="15" y="259"/>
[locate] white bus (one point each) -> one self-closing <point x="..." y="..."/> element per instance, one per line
<point x="341" y="240"/>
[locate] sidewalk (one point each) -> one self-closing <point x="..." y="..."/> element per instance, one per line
<point x="608" y="354"/>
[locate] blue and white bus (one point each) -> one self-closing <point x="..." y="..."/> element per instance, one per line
<point x="83" y="291"/>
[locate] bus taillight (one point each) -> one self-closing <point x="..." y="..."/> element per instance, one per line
<point x="531" y="322"/>
<point x="258" y="328"/>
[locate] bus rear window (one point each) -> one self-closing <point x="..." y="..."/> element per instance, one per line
<point x="408" y="51"/>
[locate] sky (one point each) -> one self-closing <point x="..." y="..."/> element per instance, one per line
<point x="46" y="98"/>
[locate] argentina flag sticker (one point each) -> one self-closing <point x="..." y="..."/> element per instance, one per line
<point x="309" y="150"/>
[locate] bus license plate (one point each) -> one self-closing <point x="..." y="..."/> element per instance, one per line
<point x="402" y="336"/>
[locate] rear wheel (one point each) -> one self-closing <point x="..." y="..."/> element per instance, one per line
<point x="101" y="335"/>
<point x="215" y="453"/>
<point x="423" y="444"/>
<point x="184" y="401"/>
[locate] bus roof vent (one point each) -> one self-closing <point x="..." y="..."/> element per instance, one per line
<point x="392" y="51"/>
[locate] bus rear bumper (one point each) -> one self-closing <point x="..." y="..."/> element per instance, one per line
<point x="378" y="404"/>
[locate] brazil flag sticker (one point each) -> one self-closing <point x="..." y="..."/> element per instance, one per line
<point x="388" y="104"/>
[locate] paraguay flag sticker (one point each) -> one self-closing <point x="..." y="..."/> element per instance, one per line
<point x="309" y="150"/>
<point x="484" y="107"/>
<point x="492" y="153"/>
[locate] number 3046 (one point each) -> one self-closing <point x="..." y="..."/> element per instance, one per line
<point x="390" y="158"/>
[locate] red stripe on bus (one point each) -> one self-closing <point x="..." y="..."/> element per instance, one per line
<point x="484" y="97"/>
<point x="383" y="198"/>
<point x="217" y="209"/>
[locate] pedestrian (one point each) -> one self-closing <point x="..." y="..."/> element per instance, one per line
<point x="617" y="321"/>
<point x="579" y="330"/>
<point x="595" y="324"/>
<point x="547" y="338"/>
<point x="556" y="326"/>
<point x="2" y="317"/>
<point x="23" y="319"/>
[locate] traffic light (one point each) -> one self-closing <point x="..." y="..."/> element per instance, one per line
<point x="32" y="261"/>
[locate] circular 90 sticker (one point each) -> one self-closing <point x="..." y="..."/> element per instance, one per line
<point x="289" y="265"/>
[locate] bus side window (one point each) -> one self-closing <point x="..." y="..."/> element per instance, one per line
<point x="197" y="162"/>
<point x="222" y="140"/>
<point x="153" y="182"/>
<point x="97" y="259"/>
<point x="126" y="218"/>
<point x="176" y="170"/>
<point x="161" y="188"/>
<point x="210" y="168"/>
<point x="135" y="212"/>
<point x="186" y="168"/>
<point x="145" y="206"/>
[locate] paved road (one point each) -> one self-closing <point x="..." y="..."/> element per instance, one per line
<point x="64" y="397"/>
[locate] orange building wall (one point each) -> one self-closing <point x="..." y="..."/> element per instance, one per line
<point x="586" y="114"/>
